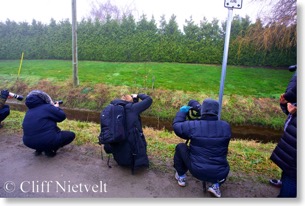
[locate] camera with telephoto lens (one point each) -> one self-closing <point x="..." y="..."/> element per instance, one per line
<point x="135" y="98"/>
<point x="58" y="101"/>
<point x="194" y="112"/>
<point x="16" y="96"/>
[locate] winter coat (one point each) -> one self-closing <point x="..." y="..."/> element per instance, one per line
<point x="134" y="146"/>
<point x="285" y="153"/>
<point x="209" y="141"/>
<point x="39" y="125"/>
<point x="290" y="93"/>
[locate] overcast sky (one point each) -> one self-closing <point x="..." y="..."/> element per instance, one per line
<point x="44" y="10"/>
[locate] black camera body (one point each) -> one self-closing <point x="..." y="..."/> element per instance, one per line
<point x="135" y="98"/>
<point x="292" y="68"/>
<point x="16" y="96"/>
<point x="59" y="101"/>
<point x="195" y="110"/>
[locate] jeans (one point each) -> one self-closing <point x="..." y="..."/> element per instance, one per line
<point x="182" y="159"/>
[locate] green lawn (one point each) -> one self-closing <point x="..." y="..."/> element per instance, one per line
<point x="258" y="82"/>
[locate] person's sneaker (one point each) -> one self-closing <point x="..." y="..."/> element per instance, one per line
<point x="275" y="182"/>
<point x="215" y="190"/>
<point x="181" y="179"/>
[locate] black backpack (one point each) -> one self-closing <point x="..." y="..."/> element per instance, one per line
<point x="112" y="124"/>
<point x="113" y="127"/>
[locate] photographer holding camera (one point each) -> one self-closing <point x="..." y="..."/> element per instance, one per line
<point x="131" y="152"/>
<point x="40" y="130"/>
<point x="4" y="109"/>
<point x="206" y="155"/>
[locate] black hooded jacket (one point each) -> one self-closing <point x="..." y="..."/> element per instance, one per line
<point x="39" y="125"/>
<point x="209" y="141"/>
<point x="135" y="144"/>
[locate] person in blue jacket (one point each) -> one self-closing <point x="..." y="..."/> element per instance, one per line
<point x="4" y="108"/>
<point x="206" y="155"/>
<point x="132" y="152"/>
<point x="40" y="130"/>
<point x="285" y="153"/>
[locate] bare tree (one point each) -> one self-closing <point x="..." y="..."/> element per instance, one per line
<point x="276" y="26"/>
<point x="279" y="11"/>
<point x="102" y="10"/>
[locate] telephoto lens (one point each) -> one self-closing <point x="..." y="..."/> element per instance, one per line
<point x="16" y="96"/>
<point x="59" y="101"/>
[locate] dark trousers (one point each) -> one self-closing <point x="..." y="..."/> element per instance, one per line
<point x="4" y="112"/>
<point x="66" y="138"/>
<point x="182" y="159"/>
<point x="289" y="186"/>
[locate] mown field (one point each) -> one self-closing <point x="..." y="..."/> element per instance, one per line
<point x="250" y="94"/>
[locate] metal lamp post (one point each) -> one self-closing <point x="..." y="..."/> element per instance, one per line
<point x="230" y="4"/>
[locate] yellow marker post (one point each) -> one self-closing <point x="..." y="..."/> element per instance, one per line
<point x="20" y="64"/>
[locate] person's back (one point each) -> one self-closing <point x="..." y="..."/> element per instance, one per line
<point x="132" y="151"/>
<point x="40" y="130"/>
<point x="209" y="140"/>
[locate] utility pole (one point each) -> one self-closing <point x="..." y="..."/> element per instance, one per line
<point x="230" y="4"/>
<point x="74" y="45"/>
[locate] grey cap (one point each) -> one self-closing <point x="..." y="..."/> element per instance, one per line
<point x="209" y="107"/>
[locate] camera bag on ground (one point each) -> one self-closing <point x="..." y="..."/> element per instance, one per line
<point x="113" y="125"/>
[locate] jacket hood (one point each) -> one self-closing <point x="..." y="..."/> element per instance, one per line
<point x="36" y="98"/>
<point x="209" y="107"/>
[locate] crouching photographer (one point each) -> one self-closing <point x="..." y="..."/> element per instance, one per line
<point x="40" y="130"/>
<point x="206" y="155"/>
<point x="4" y="109"/>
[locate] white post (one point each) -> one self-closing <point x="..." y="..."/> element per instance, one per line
<point x="74" y="45"/>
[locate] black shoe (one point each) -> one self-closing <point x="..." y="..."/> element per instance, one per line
<point x="50" y="153"/>
<point x="37" y="152"/>
<point x="1" y="125"/>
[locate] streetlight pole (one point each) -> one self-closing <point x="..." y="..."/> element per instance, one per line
<point x="74" y="45"/>
<point x="230" y="4"/>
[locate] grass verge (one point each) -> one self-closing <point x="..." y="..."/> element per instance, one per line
<point x="248" y="157"/>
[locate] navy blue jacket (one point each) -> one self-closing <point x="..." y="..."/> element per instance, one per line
<point x="209" y="141"/>
<point x="290" y="93"/>
<point x="285" y="153"/>
<point x="39" y="125"/>
<point x="135" y="143"/>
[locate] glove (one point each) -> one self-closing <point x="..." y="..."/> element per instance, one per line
<point x="4" y="94"/>
<point x="185" y="109"/>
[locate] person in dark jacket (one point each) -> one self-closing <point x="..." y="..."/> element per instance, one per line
<point x="4" y="108"/>
<point x="132" y="152"/>
<point x="206" y="155"/>
<point x="285" y="153"/>
<point x="40" y="130"/>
